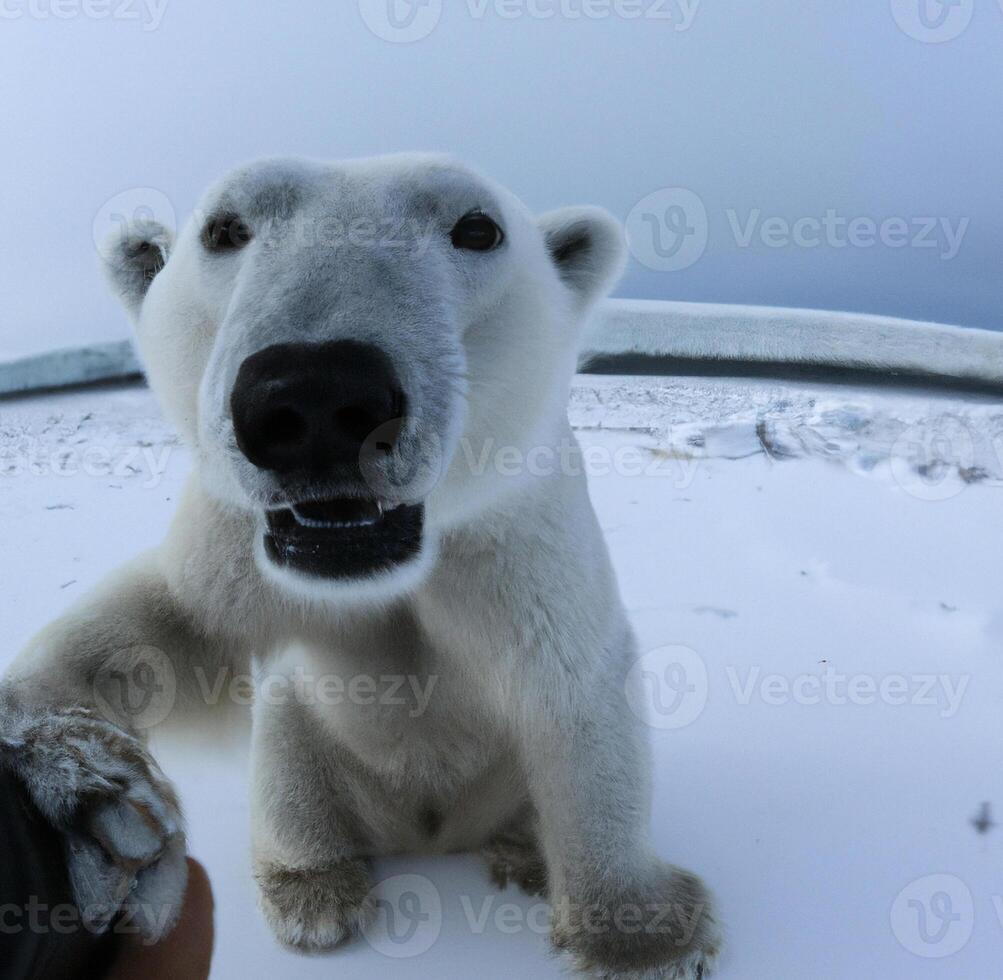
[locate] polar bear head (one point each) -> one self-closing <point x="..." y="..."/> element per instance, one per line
<point x="347" y="346"/>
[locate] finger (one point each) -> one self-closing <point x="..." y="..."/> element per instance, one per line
<point x="186" y="952"/>
<point x="152" y="908"/>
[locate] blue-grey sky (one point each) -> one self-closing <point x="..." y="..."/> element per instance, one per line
<point x="841" y="155"/>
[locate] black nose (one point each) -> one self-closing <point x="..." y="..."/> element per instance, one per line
<point x="312" y="407"/>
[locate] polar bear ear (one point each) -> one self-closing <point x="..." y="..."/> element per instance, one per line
<point x="587" y="246"/>
<point x="132" y="257"/>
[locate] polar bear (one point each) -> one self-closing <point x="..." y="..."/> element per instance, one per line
<point x="358" y="355"/>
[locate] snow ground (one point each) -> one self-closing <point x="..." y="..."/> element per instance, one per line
<point x="814" y="578"/>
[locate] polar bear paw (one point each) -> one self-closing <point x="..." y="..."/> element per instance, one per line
<point x="118" y="814"/>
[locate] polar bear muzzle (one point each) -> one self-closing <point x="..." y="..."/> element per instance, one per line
<point x="308" y="413"/>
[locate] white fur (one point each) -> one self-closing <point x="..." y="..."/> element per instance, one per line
<point x="510" y="616"/>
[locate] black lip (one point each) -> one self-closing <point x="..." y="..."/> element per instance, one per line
<point x="352" y="539"/>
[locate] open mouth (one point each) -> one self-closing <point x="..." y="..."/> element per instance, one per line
<point x="343" y="538"/>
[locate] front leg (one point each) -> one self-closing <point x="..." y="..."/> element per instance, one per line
<point x="619" y="911"/>
<point x="309" y="849"/>
<point x="74" y="711"/>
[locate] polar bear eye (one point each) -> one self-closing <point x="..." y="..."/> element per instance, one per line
<point x="476" y="232"/>
<point x="225" y="233"/>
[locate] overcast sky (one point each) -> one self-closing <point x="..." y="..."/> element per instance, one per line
<point x="795" y="152"/>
